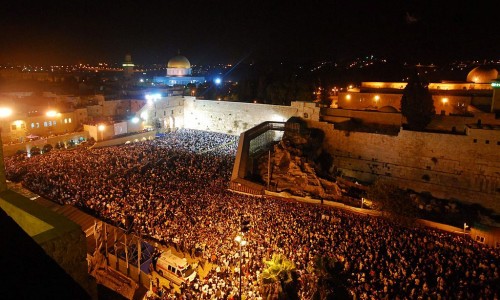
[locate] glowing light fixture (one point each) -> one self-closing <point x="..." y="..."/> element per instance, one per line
<point x="217" y="81"/>
<point x="135" y="120"/>
<point x="5" y="112"/>
<point x="348" y="97"/>
<point x="51" y="113"/>
<point x="153" y="97"/>
<point x="444" y="100"/>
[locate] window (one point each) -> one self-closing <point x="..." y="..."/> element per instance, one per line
<point x="32" y="125"/>
<point x="487" y="141"/>
<point x="37" y="125"/>
<point x="164" y="113"/>
<point x="13" y="127"/>
<point x="479" y="239"/>
<point x="498" y="143"/>
<point x="45" y="124"/>
<point x="172" y="112"/>
<point x="50" y="123"/>
<point x="54" y="123"/>
<point x="69" y="120"/>
<point x="475" y="140"/>
<point x="306" y="115"/>
<point x="65" y="121"/>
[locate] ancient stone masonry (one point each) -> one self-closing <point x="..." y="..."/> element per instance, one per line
<point x="449" y="166"/>
<point x="293" y="169"/>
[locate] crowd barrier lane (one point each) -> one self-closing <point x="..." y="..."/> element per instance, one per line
<point x="359" y="210"/>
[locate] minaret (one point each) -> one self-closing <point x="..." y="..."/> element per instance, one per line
<point x="495" y="101"/>
<point x="128" y="66"/>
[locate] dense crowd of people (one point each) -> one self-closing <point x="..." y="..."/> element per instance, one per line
<point x="175" y="187"/>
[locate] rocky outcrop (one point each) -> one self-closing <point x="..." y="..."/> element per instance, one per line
<point x="292" y="169"/>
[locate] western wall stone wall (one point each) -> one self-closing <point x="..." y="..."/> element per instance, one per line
<point x="462" y="167"/>
<point x="232" y="117"/>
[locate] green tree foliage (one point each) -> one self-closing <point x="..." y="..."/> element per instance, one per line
<point x="279" y="278"/>
<point x="330" y="279"/>
<point x="417" y="104"/>
<point x="391" y="200"/>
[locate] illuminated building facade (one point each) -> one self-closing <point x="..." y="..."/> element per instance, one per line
<point x="179" y="72"/>
<point x="450" y="98"/>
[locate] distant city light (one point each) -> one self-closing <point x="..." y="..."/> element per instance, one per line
<point x="141" y="80"/>
<point x="218" y="81"/>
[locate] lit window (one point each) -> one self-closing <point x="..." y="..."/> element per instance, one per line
<point x="65" y="121"/>
<point x="32" y="125"/>
<point x="54" y="123"/>
<point x="37" y="125"/>
<point x="50" y="123"/>
<point x="45" y="124"/>
<point x="69" y="120"/>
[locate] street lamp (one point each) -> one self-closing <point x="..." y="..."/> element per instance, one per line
<point x="241" y="242"/>
<point x="101" y="129"/>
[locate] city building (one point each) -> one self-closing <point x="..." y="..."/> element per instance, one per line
<point x="475" y="94"/>
<point x="179" y="72"/>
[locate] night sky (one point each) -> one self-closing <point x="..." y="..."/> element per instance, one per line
<point x="220" y="31"/>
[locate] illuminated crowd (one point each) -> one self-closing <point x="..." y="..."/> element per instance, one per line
<point x="175" y="187"/>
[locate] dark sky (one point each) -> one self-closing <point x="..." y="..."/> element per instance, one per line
<point x="211" y="31"/>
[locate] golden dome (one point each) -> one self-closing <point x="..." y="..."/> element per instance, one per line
<point x="179" y="61"/>
<point x="482" y="74"/>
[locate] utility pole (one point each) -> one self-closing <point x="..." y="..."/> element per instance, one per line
<point x="269" y="169"/>
<point x="106" y="242"/>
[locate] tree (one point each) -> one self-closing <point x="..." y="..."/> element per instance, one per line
<point x="417" y="104"/>
<point x="391" y="200"/>
<point x="279" y="278"/>
<point x="324" y="97"/>
<point x="35" y="151"/>
<point x="47" y="148"/>
<point x="330" y="279"/>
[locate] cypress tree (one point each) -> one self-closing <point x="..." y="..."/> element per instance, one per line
<point x="417" y="104"/>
